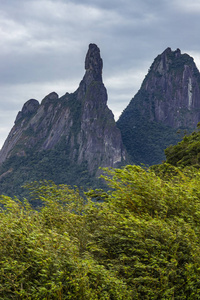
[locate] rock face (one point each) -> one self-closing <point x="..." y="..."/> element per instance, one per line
<point x="168" y="99"/>
<point x="80" y="124"/>
<point x="173" y="88"/>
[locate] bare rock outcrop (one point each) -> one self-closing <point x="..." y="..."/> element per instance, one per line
<point x="173" y="90"/>
<point x="168" y="100"/>
<point x="80" y="121"/>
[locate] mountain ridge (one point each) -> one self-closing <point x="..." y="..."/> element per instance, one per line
<point x="66" y="139"/>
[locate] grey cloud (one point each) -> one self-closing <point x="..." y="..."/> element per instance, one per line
<point x="43" y="45"/>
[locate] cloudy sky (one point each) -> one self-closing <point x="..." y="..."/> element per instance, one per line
<point x="44" y="43"/>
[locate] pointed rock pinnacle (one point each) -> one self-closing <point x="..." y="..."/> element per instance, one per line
<point x="94" y="63"/>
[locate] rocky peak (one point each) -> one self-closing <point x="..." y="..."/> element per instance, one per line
<point x="50" y="97"/>
<point x="173" y="88"/>
<point x="168" y="52"/>
<point x="97" y="120"/>
<point x="28" y="109"/>
<point x="170" y="59"/>
<point x="169" y="99"/>
<point x="93" y="67"/>
<point x="94" y="63"/>
<point x="80" y="123"/>
<point x="177" y="52"/>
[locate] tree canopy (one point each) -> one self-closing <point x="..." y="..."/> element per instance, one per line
<point x="138" y="240"/>
<point x="186" y="152"/>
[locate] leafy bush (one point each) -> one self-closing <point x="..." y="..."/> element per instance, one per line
<point x="140" y="240"/>
<point x="186" y="152"/>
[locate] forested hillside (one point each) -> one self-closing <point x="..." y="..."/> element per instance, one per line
<point x="140" y="240"/>
<point x="186" y="152"/>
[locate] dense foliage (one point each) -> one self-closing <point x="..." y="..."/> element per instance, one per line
<point x="140" y="240"/>
<point x="186" y="152"/>
<point x="54" y="165"/>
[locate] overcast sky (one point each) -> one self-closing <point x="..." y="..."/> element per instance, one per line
<point x="44" y="44"/>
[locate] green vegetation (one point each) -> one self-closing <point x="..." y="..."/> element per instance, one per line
<point x="145" y="140"/>
<point x="54" y="165"/>
<point x="140" y="240"/>
<point x="186" y="152"/>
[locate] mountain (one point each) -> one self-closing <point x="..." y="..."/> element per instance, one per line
<point x="168" y="101"/>
<point x="63" y="139"/>
<point x="66" y="139"/>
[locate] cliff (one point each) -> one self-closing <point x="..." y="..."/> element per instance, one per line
<point x="168" y="100"/>
<point x="77" y="131"/>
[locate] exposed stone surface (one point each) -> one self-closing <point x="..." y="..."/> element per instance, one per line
<point x="172" y="87"/>
<point x="169" y="99"/>
<point x="81" y="120"/>
<point x="29" y="108"/>
<point x="93" y="64"/>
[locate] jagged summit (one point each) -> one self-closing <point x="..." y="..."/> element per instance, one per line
<point x="93" y="70"/>
<point x="173" y="88"/>
<point x="28" y="108"/>
<point x="168" y="100"/>
<point x="69" y="135"/>
<point x="165" y="59"/>
<point x="168" y="51"/>
<point x="94" y="63"/>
